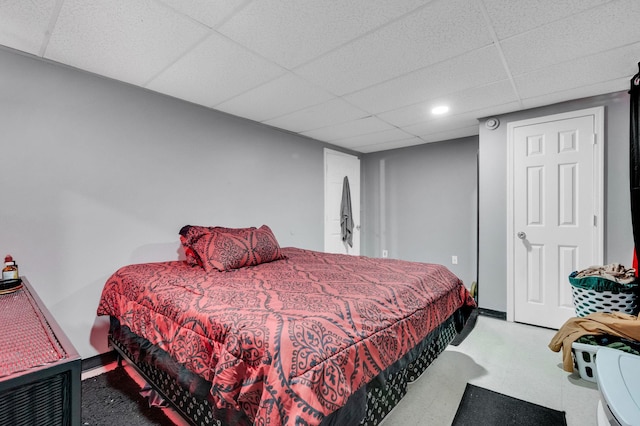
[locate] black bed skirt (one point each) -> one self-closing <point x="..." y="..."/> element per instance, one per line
<point x="189" y="394"/>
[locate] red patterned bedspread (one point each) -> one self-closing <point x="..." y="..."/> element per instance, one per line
<point x="287" y="341"/>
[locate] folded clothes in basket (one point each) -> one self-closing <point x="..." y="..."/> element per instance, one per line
<point x="613" y="323"/>
<point x="613" y="272"/>
<point x="613" y="342"/>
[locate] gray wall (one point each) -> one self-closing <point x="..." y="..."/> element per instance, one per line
<point x="420" y="204"/>
<point x="492" y="278"/>
<point x="97" y="174"/>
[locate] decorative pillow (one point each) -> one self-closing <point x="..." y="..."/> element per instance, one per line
<point x="189" y="255"/>
<point x="224" y="251"/>
<point x="190" y="233"/>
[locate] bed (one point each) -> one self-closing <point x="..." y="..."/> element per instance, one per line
<point x="246" y="332"/>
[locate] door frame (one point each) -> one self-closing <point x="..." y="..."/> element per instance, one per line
<point x="356" y="212"/>
<point x="598" y="188"/>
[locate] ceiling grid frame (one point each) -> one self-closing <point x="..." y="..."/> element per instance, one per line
<point x="403" y="57"/>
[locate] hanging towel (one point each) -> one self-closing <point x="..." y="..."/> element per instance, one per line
<point x="346" y="217"/>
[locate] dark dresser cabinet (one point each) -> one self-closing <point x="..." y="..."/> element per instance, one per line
<point x="39" y="368"/>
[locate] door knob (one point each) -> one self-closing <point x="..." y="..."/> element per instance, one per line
<point x="521" y="235"/>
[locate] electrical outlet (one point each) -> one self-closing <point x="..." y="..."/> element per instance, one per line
<point x="385" y="253"/>
<point x="454" y="260"/>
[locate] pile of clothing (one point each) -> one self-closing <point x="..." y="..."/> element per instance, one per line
<point x="600" y="323"/>
<point x="618" y="324"/>
<point x="612" y="272"/>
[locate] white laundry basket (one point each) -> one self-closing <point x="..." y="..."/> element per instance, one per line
<point x="597" y="294"/>
<point x="584" y="357"/>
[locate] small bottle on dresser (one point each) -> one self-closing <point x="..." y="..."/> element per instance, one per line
<point x="10" y="270"/>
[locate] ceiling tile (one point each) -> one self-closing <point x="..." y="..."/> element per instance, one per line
<point x="468" y="100"/>
<point x="208" y="12"/>
<point x="268" y="26"/>
<point x="290" y="92"/>
<point x="621" y="84"/>
<point x="383" y="146"/>
<point x="459" y="132"/>
<point x="476" y="68"/>
<point x="203" y="75"/>
<point x="335" y="111"/>
<point x="374" y="138"/>
<point x="598" y="29"/>
<point x="362" y="74"/>
<point x="361" y="126"/>
<point x="23" y="24"/>
<point x="126" y="40"/>
<point x="442" y="125"/>
<point x="497" y="110"/>
<point x="409" y="115"/>
<point x="439" y="31"/>
<point x="510" y="17"/>
<point x="439" y="124"/>
<point x="609" y="65"/>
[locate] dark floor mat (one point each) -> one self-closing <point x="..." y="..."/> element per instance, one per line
<point x="481" y="406"/>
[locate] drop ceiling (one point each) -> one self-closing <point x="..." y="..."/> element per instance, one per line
<point x="361" y="74"/>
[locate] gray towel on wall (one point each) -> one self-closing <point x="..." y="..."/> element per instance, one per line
<point x="346" y="217"/>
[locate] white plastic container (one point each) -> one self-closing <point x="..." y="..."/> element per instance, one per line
<point x="618" y="377"/>
<point x="585" y="360"/>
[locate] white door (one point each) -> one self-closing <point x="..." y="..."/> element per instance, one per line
<point x="337" y="165"/>
<point x="556" y="211"/>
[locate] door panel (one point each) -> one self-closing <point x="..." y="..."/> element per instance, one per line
<point x="555" y="196"/>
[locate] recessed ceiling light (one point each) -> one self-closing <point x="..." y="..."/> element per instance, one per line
<point x="441" y="109"/>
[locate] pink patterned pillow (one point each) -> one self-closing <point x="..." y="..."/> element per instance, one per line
<point x="190" y="233"/>
<point x="224" y="251"/>
<point x="189" y="255"/>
